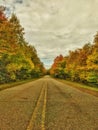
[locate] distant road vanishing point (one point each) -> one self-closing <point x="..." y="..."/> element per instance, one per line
<point x="47" y="104"/>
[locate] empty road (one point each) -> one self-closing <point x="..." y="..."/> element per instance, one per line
<point x="47" y="104"/>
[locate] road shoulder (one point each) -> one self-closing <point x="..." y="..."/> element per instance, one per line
<point x="80" y="87"/>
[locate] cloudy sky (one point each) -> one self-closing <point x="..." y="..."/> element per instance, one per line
<point x="56" y="26"/>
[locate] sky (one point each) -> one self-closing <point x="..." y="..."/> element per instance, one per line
<point x="55" y="26"/>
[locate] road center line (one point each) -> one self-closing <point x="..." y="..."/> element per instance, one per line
<point x="31" y="123"/>
<point x="44" y="110"/>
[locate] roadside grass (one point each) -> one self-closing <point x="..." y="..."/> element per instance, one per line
<point x="13" y="84"/>
<point x="74" y="84"/>
<point x="81" y="87"/>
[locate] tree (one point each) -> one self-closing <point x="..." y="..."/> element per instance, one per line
<point x="17" y="29"/>
<point x="80" y="65"/>
<point x="18" y="59"/>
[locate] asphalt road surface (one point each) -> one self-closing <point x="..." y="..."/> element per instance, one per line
<point x="47" y="104"/>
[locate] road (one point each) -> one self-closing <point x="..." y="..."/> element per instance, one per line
<point x="47" y="104"/>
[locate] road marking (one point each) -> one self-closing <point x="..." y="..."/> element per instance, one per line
<point x="44" y="110"/>
<point x="34" y="115"/>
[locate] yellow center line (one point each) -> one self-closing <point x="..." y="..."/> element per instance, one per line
<point x="34" y="115"/>
<point x="44" y="110"/>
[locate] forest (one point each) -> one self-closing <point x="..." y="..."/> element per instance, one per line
<point x="18" y="58"/>
<point x="80" y="65"/>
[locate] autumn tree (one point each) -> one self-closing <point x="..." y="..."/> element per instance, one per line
<point x="18" y="59"/>
<point x="81" y="65"/>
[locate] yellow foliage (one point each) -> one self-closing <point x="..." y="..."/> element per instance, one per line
<point x="13" y="67"/>
<point x="30" y="62"/>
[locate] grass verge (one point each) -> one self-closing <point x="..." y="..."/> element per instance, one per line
<point x="82" y="87"/>
<point x="13" y="84"/>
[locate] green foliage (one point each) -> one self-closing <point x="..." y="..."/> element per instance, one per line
<point x="92" y="77"/>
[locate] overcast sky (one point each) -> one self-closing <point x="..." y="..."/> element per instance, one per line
<point x="56" y="26"/>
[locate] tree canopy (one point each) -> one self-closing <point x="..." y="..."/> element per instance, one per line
<point x="80" y="65"/>
<point x="18" y="59"/>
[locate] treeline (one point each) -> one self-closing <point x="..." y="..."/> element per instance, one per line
<point x="18" y="59"/>
<point x="80" y="65"/>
